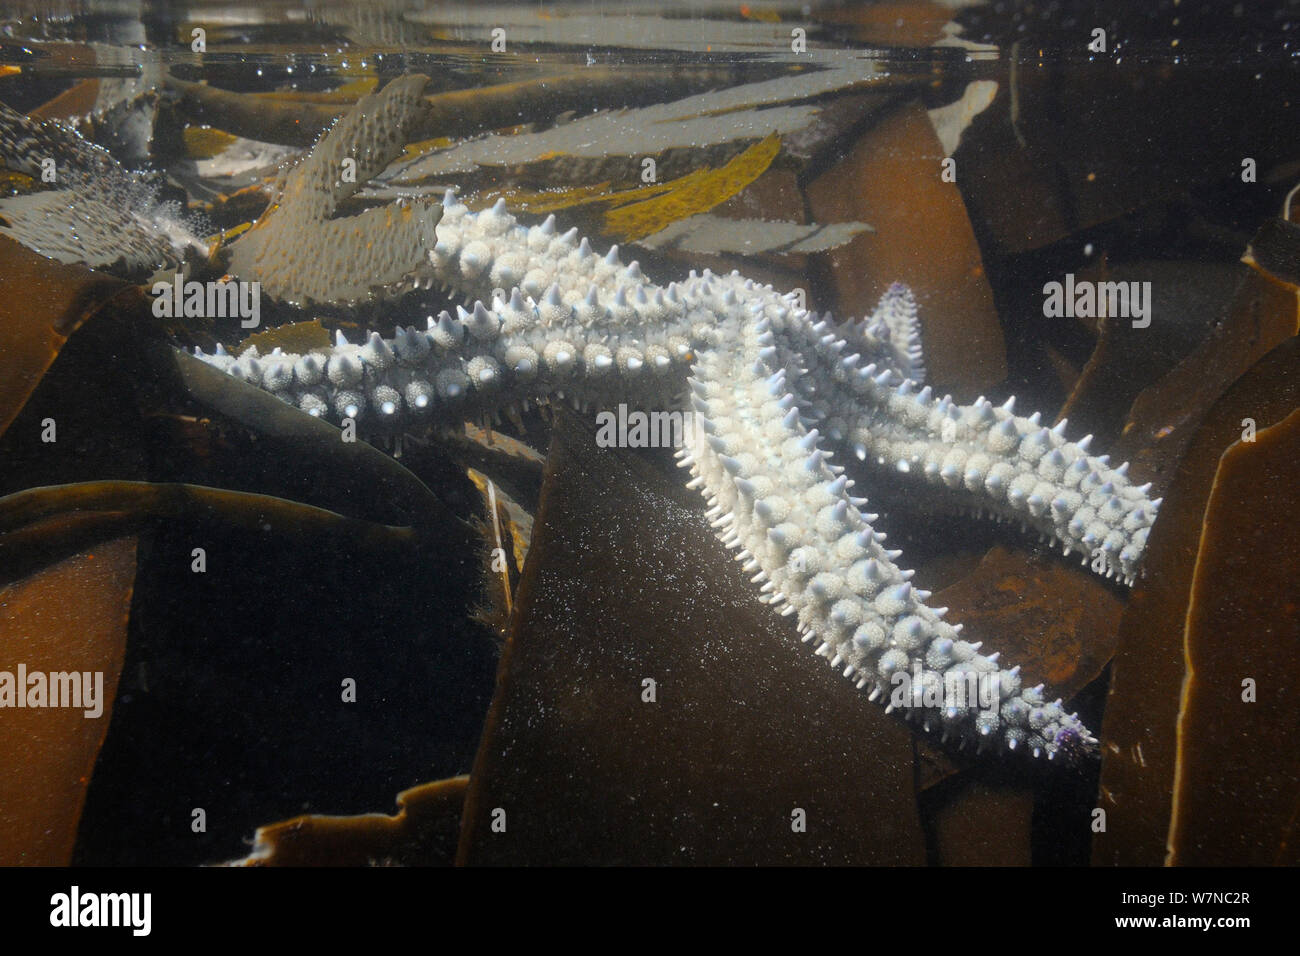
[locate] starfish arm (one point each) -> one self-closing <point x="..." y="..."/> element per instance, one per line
<point x="728" y="299"/>
<point x="605" y="337"/>
<point x="775" y="497"/>
<point x="895" y="320"/>
<point x="480" y="362"/>
<point x="481" y="253"/>
<point x="991" y="459"/>
<point x="982" y="456"/>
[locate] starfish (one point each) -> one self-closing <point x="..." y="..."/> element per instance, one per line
<point x="779" y="396"/>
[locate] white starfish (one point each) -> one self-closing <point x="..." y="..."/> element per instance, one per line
<point x="781" y="395"/>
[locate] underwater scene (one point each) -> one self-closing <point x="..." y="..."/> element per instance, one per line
<point x="649" y="434"/>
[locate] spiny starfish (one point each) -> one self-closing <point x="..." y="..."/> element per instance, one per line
<point x="780" y="395"/>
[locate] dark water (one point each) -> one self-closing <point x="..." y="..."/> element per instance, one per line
<point x="1101" y="141"/>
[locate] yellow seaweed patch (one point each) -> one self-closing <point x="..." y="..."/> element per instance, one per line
<point x="357" y="88"/>
<point x="645" y="210"/>
<point x="294" y="337"/>
<point x="217" y="240"/>
<point x="694" y="193"/>
<point x="346" y="95"/>
<point x="426" y="145"/>
<point x="551" y="200"/>
<point x="14" y="183"/>
<point x="204" y="142"/>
